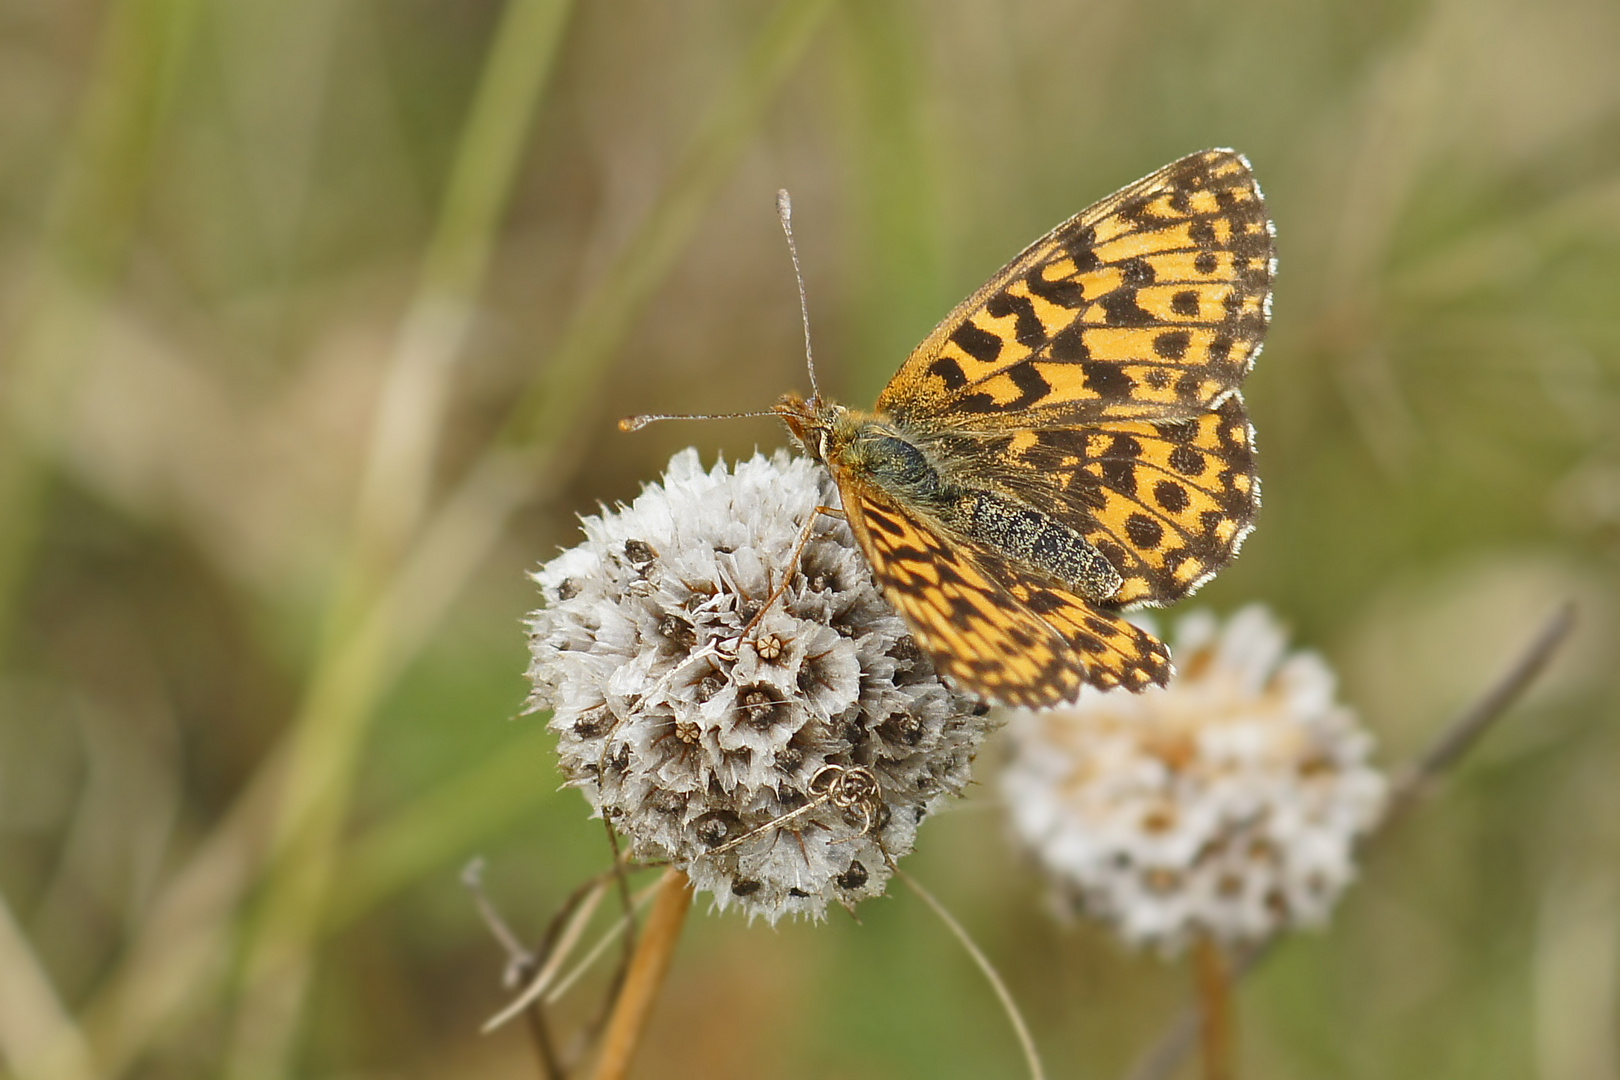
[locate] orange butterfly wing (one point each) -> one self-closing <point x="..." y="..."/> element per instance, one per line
<point x="991" y="625"/>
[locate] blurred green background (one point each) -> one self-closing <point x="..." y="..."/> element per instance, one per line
<point x="314" y="319"/>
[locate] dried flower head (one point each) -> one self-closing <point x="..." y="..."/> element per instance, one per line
<point x="1226" y="804"/>
<point x="776" y="739"/>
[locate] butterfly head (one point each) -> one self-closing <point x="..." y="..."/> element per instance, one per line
<point x="819" y="426"/>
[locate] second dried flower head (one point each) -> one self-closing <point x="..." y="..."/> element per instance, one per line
<point x="1228" y="804"/>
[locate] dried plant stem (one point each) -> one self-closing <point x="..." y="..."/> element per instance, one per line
<point x="1447" y="748"/>
<point x="646" y="975"/>
<point x="624" y="927"/>
<point x="1459" y="736"/>
<point x="1025" y="1041"/>
<point x="1214" y="980"/>
<point x="558" y="951"/>
<point x="548" y="986"/>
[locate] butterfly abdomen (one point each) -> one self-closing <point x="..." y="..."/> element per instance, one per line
<point x="1041" y="541"/>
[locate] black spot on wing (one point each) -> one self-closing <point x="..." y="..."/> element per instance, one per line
<point x="877" y="519"/>
<point x="1187" y="461"/>
<point x="1107" y="379"/>
<point x="1079" y="242"/>
<point x="1032" y="387"/>
<point x="1172" y="344"/>
<point x="948" y="371"/>
<point x="1144" y="531"/>
<point x="1121" y="309"/>
<point x="1065" y="292"/>
<point x="1182" y="431"/>
<point x="1120" y="475"/>
<point x="1137" y="272"/>
<point x="1069" y="345"/>
<point x="1171" y="496"/>
<point x="963" y="613"/>
<point x="1027" y="326"/>
<point x="982" y="345"/>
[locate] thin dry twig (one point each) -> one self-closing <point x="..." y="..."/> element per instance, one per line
<point x="646" y="975"/>
<point x="579" y="916"/>
<point x="1414" y="781"/>
<point x="625" y="922"/>
<point x="525" y="965"/>
<point x="1025" y="1041"/>
<point x="1460" y="736"/>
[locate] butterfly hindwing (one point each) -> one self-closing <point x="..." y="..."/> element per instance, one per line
<point x="1113" y="651"/>
<point x="1166" y="503"/>
<point x="1170" y="503"/>
<point x="1150" y="304"/>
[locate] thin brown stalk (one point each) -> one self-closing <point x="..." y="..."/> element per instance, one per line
<point x="1412" y="782"/>
<point x="646" y="976"/>
<point x="627" y="904"/>
<point x="1214" y="979"/>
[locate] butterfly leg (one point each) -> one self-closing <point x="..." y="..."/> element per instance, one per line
<point x="846" y="787"/>
<point x="792" y="564"/>
<point x="774" y="823"/>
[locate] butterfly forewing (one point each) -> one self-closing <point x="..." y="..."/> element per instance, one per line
<point x="1150" y="304"/>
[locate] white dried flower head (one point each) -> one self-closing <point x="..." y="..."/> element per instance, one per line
<point x="1226" y="804"/>
<point x="693" y="710"/>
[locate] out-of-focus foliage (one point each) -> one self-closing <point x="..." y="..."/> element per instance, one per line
<point x="314" y="316"/>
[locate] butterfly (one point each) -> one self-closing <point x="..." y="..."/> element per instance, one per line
<point x="1070" y="443"/>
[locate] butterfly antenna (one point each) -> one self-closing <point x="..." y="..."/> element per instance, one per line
<point x="641" y="420"/>
<point x="784" y="211"/>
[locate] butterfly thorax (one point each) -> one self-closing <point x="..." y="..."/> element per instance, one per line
<point x="873" y="451"/>
<point x="868" y="448"/>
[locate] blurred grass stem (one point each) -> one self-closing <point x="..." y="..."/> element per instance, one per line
<point x="38" y="1039"/>
<point x="383" y="614"/>
<point x="89" y="228"/>
<point x="359" y="656"/>
<point x="576" y="368"/>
